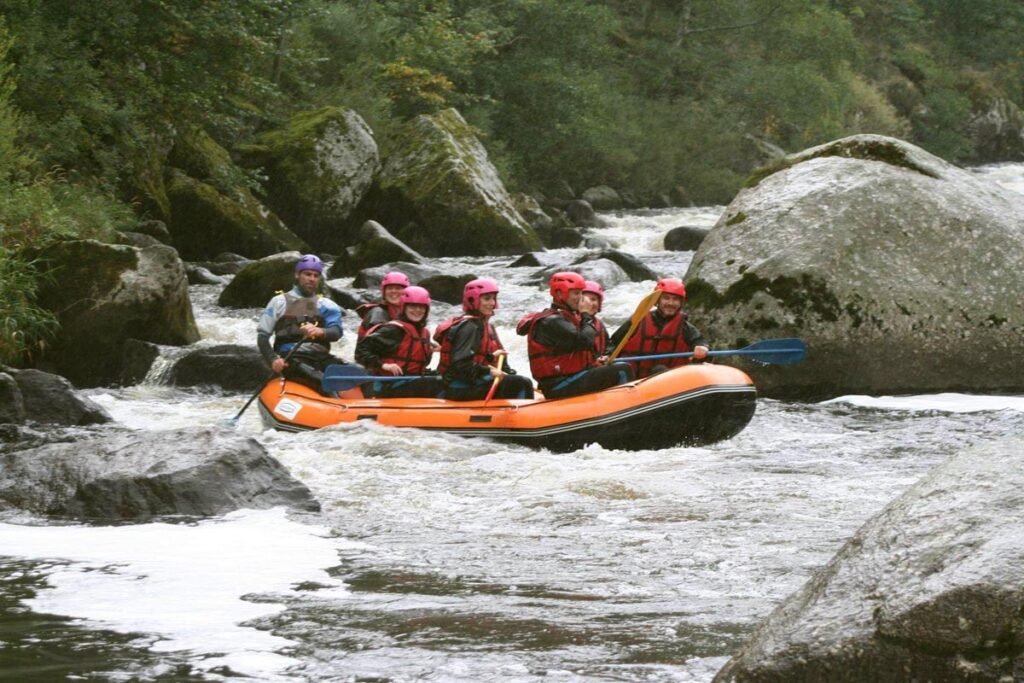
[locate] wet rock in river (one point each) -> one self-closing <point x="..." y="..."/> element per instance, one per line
<point x="232" y="367"/>
<point x="685" y="238"/>
<point x="902" y="272"/>
<point x="50" y="399"/>
<point x="258" y="281"/>
<point x="930" y="589"/>
<point x="135" y="476"/>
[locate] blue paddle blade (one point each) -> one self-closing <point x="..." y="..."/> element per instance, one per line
<point x="344" y="377"/>
<point x="785" y="351"/>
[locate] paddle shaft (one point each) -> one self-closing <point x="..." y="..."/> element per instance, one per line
<point x="497" y="380"/>
<point x="252" y="398"/>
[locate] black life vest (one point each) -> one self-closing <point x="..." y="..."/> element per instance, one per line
<point x="298" y="310"/>
<point x="363" y="311"/>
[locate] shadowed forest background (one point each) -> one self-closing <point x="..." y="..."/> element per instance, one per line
<point x="659" y="98"/>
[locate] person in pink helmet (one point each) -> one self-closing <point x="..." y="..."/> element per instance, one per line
<point x="303" y="326"/>
<point x="560" y="341"/>
<point x="401" y="347"/>
<point x="590" y="303"/>
<point x="665" y="329"/>
<point x="470" y="349"/>
<point x="390" y="305"/>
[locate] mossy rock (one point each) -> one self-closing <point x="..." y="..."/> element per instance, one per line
<point x="439" y="193"/>
<point x="257" y="282"/>
<point x="320" y="166"/>
<point x="206" y="221"/>
<point x="104" y="294"/>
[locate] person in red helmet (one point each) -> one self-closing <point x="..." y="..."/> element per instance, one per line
<point x="470" y="349"/>
<point x="401" y="347"/>
<point x="664" y="329"/>
<point x="560" y="343"/>
<point x="590" y="303"/>
<point x="390" y="305"/>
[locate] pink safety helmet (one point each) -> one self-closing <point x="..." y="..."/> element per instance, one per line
<point x="474" y="289"/>
<point x="415" y="295"/>
<point x="596" y="289"/>
<point x="561" y="283"/>
<point x="394" y="278"/>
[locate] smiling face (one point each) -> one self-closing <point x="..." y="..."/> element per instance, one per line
<point x="590" y="303"/>
<point x="669" y="304"/>
<point x="308" y="281"/>
<point x="415" y="312"/>
<point x="487" y="304"/>
<point x="393" y="294"/>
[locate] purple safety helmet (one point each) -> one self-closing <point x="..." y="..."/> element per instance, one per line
<point x="309" y="262"/>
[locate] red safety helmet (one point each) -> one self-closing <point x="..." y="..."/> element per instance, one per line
<point x="394" y="278"/>
<point x="672" y="286"/>
<point x="474" y="289"/>
<point x="561" y="283"/>
<point x="597" y="289"/>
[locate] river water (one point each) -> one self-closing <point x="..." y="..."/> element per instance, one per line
<point x="442" y="559"/>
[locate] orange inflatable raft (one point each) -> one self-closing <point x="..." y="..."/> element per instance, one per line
<point x="692" y="404"/>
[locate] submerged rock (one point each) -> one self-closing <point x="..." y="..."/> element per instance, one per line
<point x="930" y="589"/>
<point x="902" y="272"/>
<point x="136" y="475"/>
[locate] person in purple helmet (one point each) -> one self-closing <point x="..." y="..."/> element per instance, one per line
<point x="401" y="348"/>
<point x="300" y="317"/>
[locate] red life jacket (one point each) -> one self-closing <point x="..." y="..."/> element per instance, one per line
<point x="601" y="340"/>
<point x="489" y="342"/>
<point x="363" y="311"/>
<point x="413" y="353"/>
<point x="649" y="339"/>
<point x="546" y="361"/>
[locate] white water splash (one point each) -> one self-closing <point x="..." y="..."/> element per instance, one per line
<point x="185" y="584"/>
<point x="947" y="403"/>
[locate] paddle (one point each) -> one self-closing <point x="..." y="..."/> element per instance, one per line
<point x="233" y="421"/>
<point x="770" y="351"/>
<point x="344" y="377"/>
<point x="638" y="315"/>
<point x="497" y="380"/>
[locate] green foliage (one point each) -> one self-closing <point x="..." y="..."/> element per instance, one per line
<point x="23" y="325"/>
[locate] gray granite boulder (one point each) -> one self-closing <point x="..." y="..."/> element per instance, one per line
<point x="902" y="272"/>
<point x="374" y="246"/>
<point x="604" y="271"/>
<point x="685" y="238"/>
<point x="232" y="367"/>
<point x="439" y="193"/>
<point x="12" y="405"/>
<point x="258" y="281"/>
<point x="602" y="198"/>
<point x="50" y="399"/>
<point x="104" y="294"/>
<point x="319" y="168"/>
<point x="133" y="476"/>
<point x="929" y="589"/>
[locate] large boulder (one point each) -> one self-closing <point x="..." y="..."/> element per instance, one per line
<point x="319" y="167"/>
<point x="205" y="221"/>
<point x="370" y="278"/>
<point x="50" y="399"/>
<point x="602" y="198"/>
<point x="375" y="246"/>
<point x="603" y="271"/>
<point x="12" y="405"/>
<point x="136" y="475"/>
<point x="637" y="270"/>
<point x="232" y="367"/>
<point x="930" y="589"/>
<point x="685" y="238"/>
<point x="903" y="273"/>
<point x="104" y="294"/>
<point x="258" y="281"/>
<point x="440" y="194"/>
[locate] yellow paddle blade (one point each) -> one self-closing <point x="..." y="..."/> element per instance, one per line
<point x="645" y="305"/>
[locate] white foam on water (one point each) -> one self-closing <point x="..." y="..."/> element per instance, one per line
<point x="183" y="583"/>
<point x="947" y="402"/>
